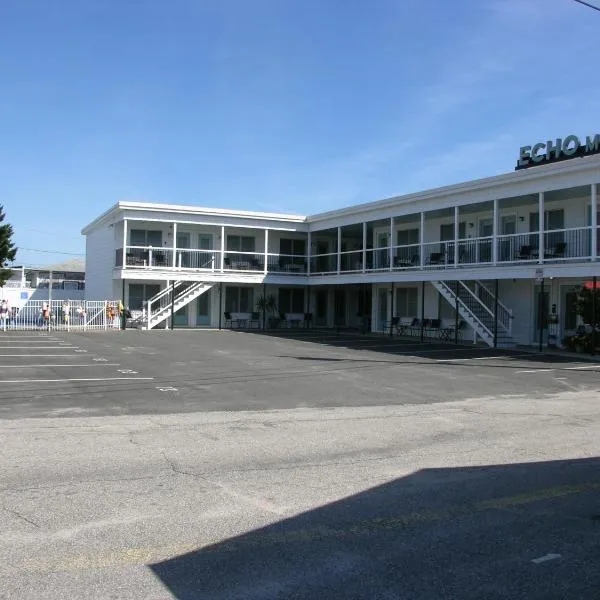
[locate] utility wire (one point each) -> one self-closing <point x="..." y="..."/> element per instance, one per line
<point x="51" y="251"/>
<point x="588" y="4"/>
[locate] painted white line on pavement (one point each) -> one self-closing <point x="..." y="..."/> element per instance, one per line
<point x="45" y="347"/>
<point x="535" y="371"/>
<point x="61" y="365"/>
<point x="69" y="354"/>
<point x="545" y="558"/>
<point x="582" y="367"/>
<point x="75" y="379"/>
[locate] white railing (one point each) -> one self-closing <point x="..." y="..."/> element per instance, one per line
<point x="505" y="315"/>
<point x="406" y="257"/>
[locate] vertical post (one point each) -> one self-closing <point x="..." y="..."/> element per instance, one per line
<point x="220" y="299"/>
<point x="339" y="249"/>
<point x="422" y="309"/>
<point x="456" y="232"/>
<point x="222" y="254"/>
<point x="175" y="246"/>
<point x="123" y="317"/>
<point x="495" y="234"/>
<point x="456" y="315"/>
<point x="266" y="268"/>
<point x="541" y="316"/>
<point x="496" y="313"/>
<point x="594" y="222"/>
<point x="541" y="221"/>
<point x="308" y="252"/>
<point x="422" y="241"/>
<point x="307" y="292"/>
<point x="148" y="314"/>
<point x="594" y="313"/>
<point x="392" y="312"/>
<point x="391" y="243"/>
<point x="49" y="290"/>
<point x="364" y="246"/>
<point x="264" y="308"/>
<point x="124" y="259"/>
<point x="105" y="310"/>
<point x="172" y="305"/>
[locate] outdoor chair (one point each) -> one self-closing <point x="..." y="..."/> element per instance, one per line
<point x="558" y="251"/>
<point x="254" y="320"/>
<point x="228" y="320"/>
<point x="436" y="258"/>
<point x="434" y="327"/>
<point x="525" y="253"/>
<point x="227" y="262"/>
<point x="255" y="265"/>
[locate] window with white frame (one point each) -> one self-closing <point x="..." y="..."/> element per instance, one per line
<point x="406" y="237"/>
<point x="291" y="300"/>
<point x="240" y="243"/>
<point x="239" y="299"/>
<point x="292" y="247"/>
<point x="145" y="237"/>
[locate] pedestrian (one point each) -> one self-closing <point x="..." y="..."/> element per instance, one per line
<point x="4" y="313"/>
<point x="14" y="313"/>
<point x="66" y="310"/>
<point x="46" y="315"/>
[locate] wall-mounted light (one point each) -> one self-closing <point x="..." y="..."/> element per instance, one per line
<point x="471" y="225"/>
<point x="521" y="219"/>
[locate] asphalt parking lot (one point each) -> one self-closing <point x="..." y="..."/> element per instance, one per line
<point x="294" y="464"/>
<point x="132" y="372"/>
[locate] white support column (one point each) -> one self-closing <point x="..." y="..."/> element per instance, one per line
<point x="422" y="241"/>
<point x="266" y="251"/>
<point x="124" y="259"/>
<point x="364" y="247"/>
<point x="456" y="217"/>
<point x="308" y="253"/>
<point x="495" y="233"/>
<point x="391" y="243"/>
<point x="339" y="250"/>
<point x="175" y="244"/>
<point x="594" y="221"/>
<point x="541" y="220"/>
<point x="222" y="247"/>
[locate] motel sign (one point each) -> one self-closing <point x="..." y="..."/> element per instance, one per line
<point x="558" y="149"/>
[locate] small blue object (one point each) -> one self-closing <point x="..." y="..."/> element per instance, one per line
<point x="24" y="295"/>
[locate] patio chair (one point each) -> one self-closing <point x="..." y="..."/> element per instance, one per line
<point x="255" y="265"/>
<point x="436" y="258"/>
<point x="558" y="251"/>
<point x="227" y="262"/>
<point x="228" y="319"/>
<point x="254" y="320"/>
<point x="525" y="253"/>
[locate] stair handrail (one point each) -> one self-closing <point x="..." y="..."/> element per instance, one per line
<point x="154" y="317"/>
<point x="460" y="300"/>
<point x="505" y="314"/>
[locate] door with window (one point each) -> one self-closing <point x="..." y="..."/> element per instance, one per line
<point x="181" y="316"/>
<point x="383" y="254"/>
<point x="506" y="246"/>
<point x="553" y="220"/>
<point x="541" y="310"/>
<point x="203" y="310"/>
<point x="409" y="250"/>
<point x="447" y="236"/>
<point x="204" y="259"/>
<point x="321" y="308"/>
<point x="140" y="293"/>
<point x="382" y="308"/>
<point x="183" y="246"/>
<point x="484" y="246"/>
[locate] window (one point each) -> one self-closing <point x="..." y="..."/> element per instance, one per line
<point x="508" y="224"/>
<point x="291" y="300"/>
<point x="139" y="293"/>
<point x="407" y="237"/>
<point x="240" y="243"/>
<point x="145" y="237"/>
<point x="407" y="300"/>
<point x="447" y="231"/>
<point x="295" y="247"/>
<point x="239" y="299"/>
<point x="570" y="310"/>
<point x="553" y="219"/>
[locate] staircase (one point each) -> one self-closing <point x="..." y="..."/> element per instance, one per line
<point x="477" y="309"/>
<point x="172" y="298"/>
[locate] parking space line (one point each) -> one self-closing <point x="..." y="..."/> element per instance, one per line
<point x="61" y="365"/>
<point x="535" y="371"/>
<point x="581" y="367"/>
<point x="66" y="380"/>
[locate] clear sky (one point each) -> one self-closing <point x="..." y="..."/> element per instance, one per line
<point x="277" y="105"/>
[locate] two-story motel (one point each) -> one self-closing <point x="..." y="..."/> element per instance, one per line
<point x="506" y="252"/>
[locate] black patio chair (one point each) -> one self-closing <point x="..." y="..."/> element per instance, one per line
<point x="558" y="251"/>
<point x="436" y="258"/>
<point x="227" y="262"/>
<point x="254" y="320"/>
<point x="228" y="319"/>
<point x="525" y="253"/>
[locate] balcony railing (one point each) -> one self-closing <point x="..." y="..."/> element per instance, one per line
<point x="560" y="245"/>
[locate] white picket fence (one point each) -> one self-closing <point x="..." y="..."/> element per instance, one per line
<point x="80" y="316"/>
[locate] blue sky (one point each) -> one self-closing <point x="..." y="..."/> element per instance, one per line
<point x="276" y="105"/>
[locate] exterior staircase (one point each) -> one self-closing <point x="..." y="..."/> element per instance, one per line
<point x="171" y="299"/>
<point x="476" y="306"/>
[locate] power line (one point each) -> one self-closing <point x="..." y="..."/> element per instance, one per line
<point x="51" y="251"/>
<point x="588" y="4"/>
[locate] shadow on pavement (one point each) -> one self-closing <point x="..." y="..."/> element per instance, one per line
<point x="488" y="532"/>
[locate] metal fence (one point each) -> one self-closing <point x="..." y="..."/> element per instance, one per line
<point x="65" y="316"/>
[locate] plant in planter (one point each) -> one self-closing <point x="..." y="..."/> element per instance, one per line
<point x="268" y="306"/>
<point x="587" y="307"/>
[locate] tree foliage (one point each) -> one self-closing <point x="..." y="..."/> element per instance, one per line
<point x="586" y="298"/>
<point x="8" y="251"/>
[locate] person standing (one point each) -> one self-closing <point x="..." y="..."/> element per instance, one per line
<point x="4" y="313"/>
<point x="66" y="310"/>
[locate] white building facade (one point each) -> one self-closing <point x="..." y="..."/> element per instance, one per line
<point x="500" y="258"/>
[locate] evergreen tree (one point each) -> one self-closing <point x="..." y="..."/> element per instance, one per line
<point x="8" y="251"/>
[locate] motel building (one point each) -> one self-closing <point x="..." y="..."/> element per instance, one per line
<point x="496" y="260"/>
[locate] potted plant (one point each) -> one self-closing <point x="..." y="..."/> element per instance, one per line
<point x="268" y="306"/>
